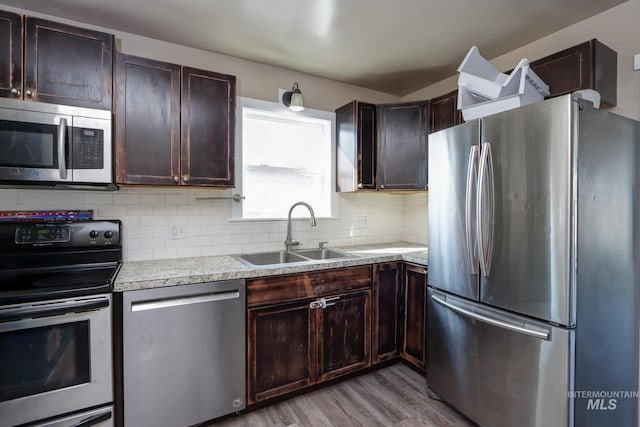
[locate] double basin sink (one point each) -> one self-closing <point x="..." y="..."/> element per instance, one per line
<point x="278" y="258"/>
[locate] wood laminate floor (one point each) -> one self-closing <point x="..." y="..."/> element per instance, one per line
<point x="394" y="396"/>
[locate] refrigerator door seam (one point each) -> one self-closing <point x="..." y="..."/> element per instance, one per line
<point x="491" y="321"/>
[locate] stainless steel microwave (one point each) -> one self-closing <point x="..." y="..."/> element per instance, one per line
<point x="51" y="143"/>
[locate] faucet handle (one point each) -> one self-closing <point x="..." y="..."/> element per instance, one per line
<point x="321" y="244"/>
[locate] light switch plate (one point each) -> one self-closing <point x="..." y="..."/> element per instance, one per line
<point x="177" y="231"/>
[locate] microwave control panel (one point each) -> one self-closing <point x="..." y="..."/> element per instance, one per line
<point x="88" y="148"/>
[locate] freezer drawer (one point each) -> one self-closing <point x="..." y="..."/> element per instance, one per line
<point x="497" y="368"/>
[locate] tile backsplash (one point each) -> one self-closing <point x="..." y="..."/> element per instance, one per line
<point x="150" y="216"/>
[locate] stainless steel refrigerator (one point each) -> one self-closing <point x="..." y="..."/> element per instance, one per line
<point x="534" y="267"/>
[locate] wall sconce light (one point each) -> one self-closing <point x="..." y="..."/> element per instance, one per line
<point x="293" y="98"/>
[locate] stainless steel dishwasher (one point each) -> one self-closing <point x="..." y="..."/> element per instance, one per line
<point x="183" y="353"/>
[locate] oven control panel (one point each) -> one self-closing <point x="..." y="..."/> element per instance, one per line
<point x="73" y="234"/>
<point x="53" y="233"/>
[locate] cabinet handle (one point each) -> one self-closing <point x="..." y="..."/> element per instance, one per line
<point x="15" y="92"/>
<point x="29" y="93"/>
<point x="324" y="304"/>
<point x="185" y="178"/>
<point x="176" y="179"/>
<point x="315" y="304"/>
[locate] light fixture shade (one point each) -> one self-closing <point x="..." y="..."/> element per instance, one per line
<point x="296" y="102"/>
<point x="293" y="98"/>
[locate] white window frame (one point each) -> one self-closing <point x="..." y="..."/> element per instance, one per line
<point x="258" y="104"/>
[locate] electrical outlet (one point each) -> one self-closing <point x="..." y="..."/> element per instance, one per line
<point x="177" y="231"/>
<point x="362" y="221"/>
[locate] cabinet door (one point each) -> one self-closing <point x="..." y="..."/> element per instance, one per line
<point x="415" y="304"/>
<point x="208" y="128"/>
<point x="147" y="121"/>
<point x="386" y="312"/>
<point x="280" y="343"/>
<point x="344" y="331"/>
<point x="356" y="146"/>
<point x="10" y="55"/>
<point x="67" y="65"/>
<point x="589" y="65"/>
<point x="443" y="112"/>
<point x="402" y="146"/>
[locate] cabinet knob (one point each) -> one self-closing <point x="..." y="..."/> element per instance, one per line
<point x="185" y="178"/>
<point x="176" y="179"/>
<point x="29" y="93"/>
<point x="360" y="185"/>
<point x="15" y="92"/>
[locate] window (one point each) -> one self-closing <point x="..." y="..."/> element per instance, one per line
<point x="286" y="157"/>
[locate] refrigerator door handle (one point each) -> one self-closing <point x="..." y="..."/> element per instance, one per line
<point x="472" y="168"/>
<point x="500" y="323"/>
<point x="486" y="211"/>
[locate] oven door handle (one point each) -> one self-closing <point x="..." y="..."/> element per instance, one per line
<point x="94" y="419"/>
<point x="56" y="309"/>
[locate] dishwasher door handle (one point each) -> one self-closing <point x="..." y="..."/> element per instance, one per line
<point x="180" y="301"/>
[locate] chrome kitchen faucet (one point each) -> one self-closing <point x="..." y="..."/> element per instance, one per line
<point x="289" y="242"/>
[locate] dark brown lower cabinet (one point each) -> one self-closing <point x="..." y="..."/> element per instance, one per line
<point x="386" y="312"/>
<point x="306" y="328"/>
<point x="344" y="332"/>
<point x="280" y="350"/>
<point x="415" y="315"/>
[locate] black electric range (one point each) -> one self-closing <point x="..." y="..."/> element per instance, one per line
<point x="43" y="261"/>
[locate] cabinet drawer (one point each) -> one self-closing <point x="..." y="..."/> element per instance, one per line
<point x="293" y="287"/>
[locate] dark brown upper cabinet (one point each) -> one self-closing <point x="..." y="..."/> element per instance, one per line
<point x="147" y="121"/>
<point x="174" y="125"/>
<point x="356" y="146"/>
<point x="381" y="147"/>
<point x="402" y="146"/>
<point x="62" y="64"/>
<point x="67" y="65"/>
<point x="589" y="65"/>
<point x="10" y="55"/>
<point x="208" y="128"/>
<point x="443" y="112"/>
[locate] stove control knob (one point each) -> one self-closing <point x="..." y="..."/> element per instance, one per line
<point x="93" y="234"/>
<point x="108" y="234"/>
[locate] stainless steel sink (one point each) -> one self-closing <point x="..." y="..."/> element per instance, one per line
<point x="282" y="258"/>
<point x="271" y="258"/>
<point x="322" y="253"/>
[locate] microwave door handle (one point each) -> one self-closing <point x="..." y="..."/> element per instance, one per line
<point x="62" y="134"/>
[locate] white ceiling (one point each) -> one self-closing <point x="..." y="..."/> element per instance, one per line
<point x="394" y="46"/>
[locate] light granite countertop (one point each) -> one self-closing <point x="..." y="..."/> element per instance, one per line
<point x="182" y="271"/>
